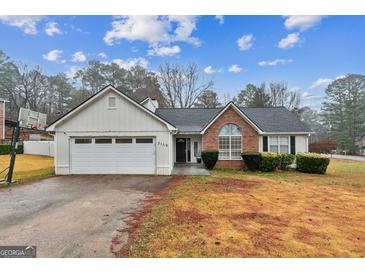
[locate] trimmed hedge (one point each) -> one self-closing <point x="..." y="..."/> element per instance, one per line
<point x="269" y="161"/>
<point x="209" y="158"/>
<point x="312" y="163"/>
<point x="286" y="159"/>
<point x="251" y="160"/>
<point x="5" y="149"/>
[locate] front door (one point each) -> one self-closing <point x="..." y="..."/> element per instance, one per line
<point x="181" y="150"/>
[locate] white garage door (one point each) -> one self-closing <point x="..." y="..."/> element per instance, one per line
<point x="128" y="155"/>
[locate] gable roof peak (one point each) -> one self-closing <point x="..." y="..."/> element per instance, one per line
<point x="51" y="127"/>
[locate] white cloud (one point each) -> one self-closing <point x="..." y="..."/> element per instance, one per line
<point x="289" y="41"/>
<point x="129" y="63"/>
<point x="306" y="94"/>
<point x="79" y="56"/>
<point x="164" y="51"/>
<point x="302" y="22"/>
<point x="220" y="19"/>
<point x="324" y="82"/>
<point x="185" y="27"/>
<point x="28" y="24"/>
<point x="52" y="29"/>
<point x="71" y="72"/>
<point x="235" y="69"/>
<point x="340" y="77"/>
<point x="321" y="83"/>
<point x="245" y="42"/>
<point x="211" y="70"/>
<point x="53" y="55"/>
<point x="103" y="55"/>
<point x="155" y="30"/>
<point x="275" y="62"/>
<point x="310" y="97"/>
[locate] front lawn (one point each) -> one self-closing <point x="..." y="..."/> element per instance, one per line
<point x="28" y="167"/>
<point x="245" y="214"/>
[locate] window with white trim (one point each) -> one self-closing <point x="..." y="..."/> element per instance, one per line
<point x="279" y="144"/>
<point x="230" y="143"/>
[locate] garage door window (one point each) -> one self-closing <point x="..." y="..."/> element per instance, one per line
<point x="144" y="140"/>
<point x="123" y="140"/>
<point x="82" y="141"/>
<point x="103" y="141"/>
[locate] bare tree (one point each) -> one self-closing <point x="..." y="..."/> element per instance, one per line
<point x="226" y="98"/>
<point x="181" y="85"/>
<point x="24" y="87"/>
<point x="281" y="96"/>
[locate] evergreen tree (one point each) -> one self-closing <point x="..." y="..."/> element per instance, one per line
<point x="344" y="110"/>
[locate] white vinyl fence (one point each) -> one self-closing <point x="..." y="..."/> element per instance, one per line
<point x="45" y="148"/>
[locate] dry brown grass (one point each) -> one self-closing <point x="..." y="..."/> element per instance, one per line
<point x="239" y="214"/>
<point x="28" y="167"/>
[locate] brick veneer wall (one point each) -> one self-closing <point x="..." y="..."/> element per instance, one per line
<point x="250" y="137"/>
<point x="2" y="120"/>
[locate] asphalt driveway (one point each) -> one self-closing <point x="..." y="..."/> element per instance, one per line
<point x="72" y="216"/>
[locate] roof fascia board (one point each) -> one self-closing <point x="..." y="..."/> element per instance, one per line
<point x="87" y="102"/>
<point x="145" y="100"/>
<point x="244" y="116"/>
<point x="288" y="132"/>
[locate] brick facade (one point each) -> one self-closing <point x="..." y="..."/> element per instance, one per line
<point x="250" y="137"/>
<point x="2" y="120"/>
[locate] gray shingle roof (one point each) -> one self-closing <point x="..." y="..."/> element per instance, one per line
<point x="271" y="119"/>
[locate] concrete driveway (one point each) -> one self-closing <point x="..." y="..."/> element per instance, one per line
<point x="347" y="157"/>
<point x="72" y="216"/>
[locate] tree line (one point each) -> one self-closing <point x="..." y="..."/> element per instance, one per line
<point x="342" y="116"/>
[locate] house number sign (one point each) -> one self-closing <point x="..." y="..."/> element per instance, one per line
<point x="162" y="144"/>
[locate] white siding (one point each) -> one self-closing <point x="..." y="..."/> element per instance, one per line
<point x="126" y="120"/>
<point x="151" y="104"/>
<point x="260" y="144"/>
<point x="301" y="143"/>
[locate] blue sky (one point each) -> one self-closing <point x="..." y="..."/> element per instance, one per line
<point x="306" y="51"/>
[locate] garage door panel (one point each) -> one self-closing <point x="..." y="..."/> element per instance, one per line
<point x="127" y="158"/>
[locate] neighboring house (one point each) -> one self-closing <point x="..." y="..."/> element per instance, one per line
<point x="26" y="134"/>
<point x="7" y="128"/>
<point x="112" y="133"/>
<point x="360" y="144"/>
<point x="2" y="119"/>
<point x="142" y="93"/>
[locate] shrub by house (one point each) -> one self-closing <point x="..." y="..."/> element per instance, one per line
<point x="285" y="160"/>
<point x="6" y="148"/>
<point x="251" y="160"/>
<point x="209" y="158"/>
<point x="269" y="161"/>
<point x="312" y="163"/>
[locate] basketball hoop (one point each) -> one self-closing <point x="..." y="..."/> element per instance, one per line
<point x="32" y="119"/>
<point x="27" y="119"/>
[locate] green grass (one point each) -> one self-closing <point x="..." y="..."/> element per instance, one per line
<point x="28" y="167"/>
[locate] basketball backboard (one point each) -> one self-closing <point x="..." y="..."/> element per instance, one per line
<point x="32" y="119"/>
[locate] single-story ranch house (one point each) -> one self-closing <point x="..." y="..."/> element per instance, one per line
<point x="112" y="133"/>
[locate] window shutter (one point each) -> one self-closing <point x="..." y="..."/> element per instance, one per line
<point x="292" y="145"/>
<point x="264" y="143"/>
